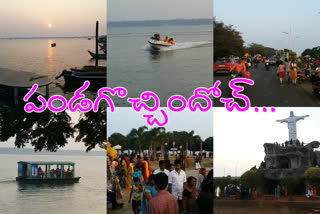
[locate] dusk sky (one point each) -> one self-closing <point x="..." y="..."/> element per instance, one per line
<point x="264" y="21"/>
<point x="124" y="10"/>
<point x="45" y="18"/>
<point x="124" y="119"/>
<point x="72" y="145"/>
<point x="239" y="136"/>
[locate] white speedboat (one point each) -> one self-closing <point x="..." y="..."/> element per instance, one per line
<point x="158" y="45"/>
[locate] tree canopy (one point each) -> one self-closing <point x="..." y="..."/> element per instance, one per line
<point x="251" y="178"/>
<point x="51" y="131"/>
<point x="313" y="52"/>
<point x="227" y="41"/>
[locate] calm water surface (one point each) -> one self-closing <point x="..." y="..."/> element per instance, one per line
<point x="87" y="196"/>
<point x="177" y="70"/>
<point x="37" y="56"/>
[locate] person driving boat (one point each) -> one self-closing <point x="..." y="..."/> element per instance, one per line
<point x="166" y="39"/>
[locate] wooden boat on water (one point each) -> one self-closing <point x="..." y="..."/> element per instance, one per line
<point x="14" y="85"/>
<point x="95" y="74"/>
<point x="97" y="55"/>
<point x="46" y="172"/>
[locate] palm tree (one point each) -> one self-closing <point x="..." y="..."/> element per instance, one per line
<point x="137" y="136"/>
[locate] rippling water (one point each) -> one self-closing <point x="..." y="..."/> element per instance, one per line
<point x="176" y="70"/>
<point x="87" y="196"/>
<point x="37" y="56"/>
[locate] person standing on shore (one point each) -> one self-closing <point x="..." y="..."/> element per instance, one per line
<point x="277" y="190"/>
<point x="201" y="177"/>
<point x="146" y="170"/>
<point x="130" y="171"/>
<point x="190" y="196"/>
<point x="148" y="193"/>
<point x="162" y="168"/>
<point x="176" y="180"/>
<point x="163" y="202"/>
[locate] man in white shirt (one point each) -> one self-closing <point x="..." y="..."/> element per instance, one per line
<point x="162" y="168"/>
<point x="176" y="180"/>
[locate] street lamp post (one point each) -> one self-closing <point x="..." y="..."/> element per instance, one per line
<point x="166" y="151"/>
<point x="182" y="158"/>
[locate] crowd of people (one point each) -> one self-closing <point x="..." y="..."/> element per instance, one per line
<point x="166" y="189"/>
<point x="56" y="173"/>
<point x="288" y="69"/>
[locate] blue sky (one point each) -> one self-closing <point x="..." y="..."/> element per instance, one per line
<point x="264" y="21"/>
<point x="239" y="136"/>
<point x="124" y="119"/>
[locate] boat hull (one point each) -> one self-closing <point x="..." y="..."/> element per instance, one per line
<point x="70" y="76"/>
<point x="158" y="45"/>
<point x="97" y="56"/>
<point x="24" y="180"/>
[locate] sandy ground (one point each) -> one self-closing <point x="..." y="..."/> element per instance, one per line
<point x="206" y="163"/>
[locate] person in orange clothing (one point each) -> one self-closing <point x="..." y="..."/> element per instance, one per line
<point x="146" y="172"/>
<point x="240" y="67"/>
<point x="171" y="41"/>
<point x="314" y="191"/>
<point x="254" y="193"/>
<point x="166" y="39"/>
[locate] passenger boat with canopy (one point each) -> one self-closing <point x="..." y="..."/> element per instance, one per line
<point x="46" y="172"/>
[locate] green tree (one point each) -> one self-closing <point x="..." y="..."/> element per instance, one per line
<point x="208" y="144"/>
<point x="251" y="178"/>
<point x="312" y="176"/>
<point x="92" y="129"/>
<point x="119" y="139"/>
<point x="314" y="52"/>
<point x="227" y="41"/>
<point x="137" y="137"/>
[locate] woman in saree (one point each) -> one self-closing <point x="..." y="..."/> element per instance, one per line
<point x="146" y="170"/>
<point x="130" y="171"/>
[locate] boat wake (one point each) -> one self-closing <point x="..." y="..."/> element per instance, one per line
<point x="7" y="181"/>
<point x="182" y="45"/>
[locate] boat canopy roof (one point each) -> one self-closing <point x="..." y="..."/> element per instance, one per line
<point x="48" y="162"/>
<point x="22" y="79"/>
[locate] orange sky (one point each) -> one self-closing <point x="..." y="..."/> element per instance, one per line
<point x="29" y="18"/>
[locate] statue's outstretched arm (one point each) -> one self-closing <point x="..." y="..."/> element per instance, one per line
<point x="302" y="117"/>
<point x="283" y="121"/>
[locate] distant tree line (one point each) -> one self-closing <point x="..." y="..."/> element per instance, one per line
<point x="254" y="49"/>
<point x="153" y="139"/>
<point x="314" y="52"/>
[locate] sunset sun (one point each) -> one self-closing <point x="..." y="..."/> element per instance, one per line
<point x="49" y="25"/>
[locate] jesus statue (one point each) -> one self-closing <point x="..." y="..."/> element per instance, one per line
<point x="292" y="125"/>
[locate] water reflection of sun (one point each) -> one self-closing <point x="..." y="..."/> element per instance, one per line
<point x="50" y="57"/>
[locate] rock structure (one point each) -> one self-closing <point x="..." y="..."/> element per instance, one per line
<point x="285" y="159"/>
